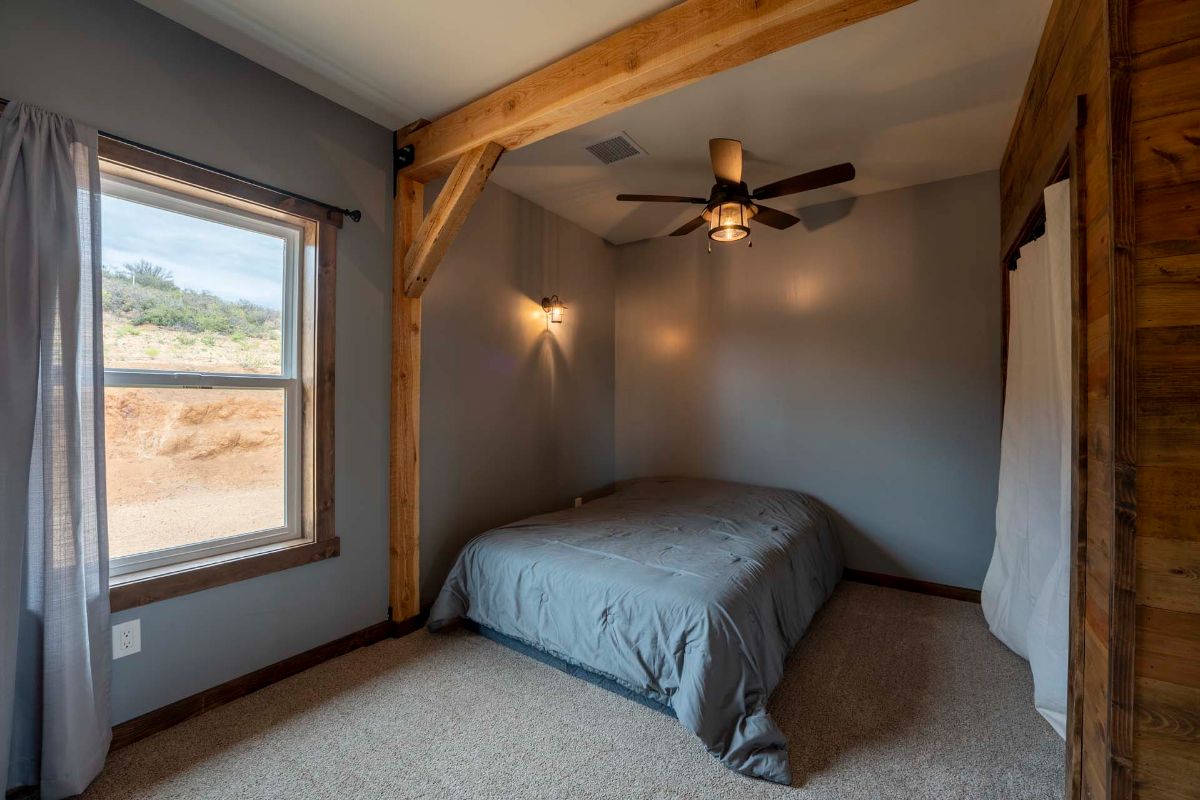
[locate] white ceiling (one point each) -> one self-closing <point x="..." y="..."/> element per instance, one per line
<point x="923" y="93"/>
<point x="395" y="61"/>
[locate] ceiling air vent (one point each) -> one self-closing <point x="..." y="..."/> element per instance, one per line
<point x="615" y="148"/>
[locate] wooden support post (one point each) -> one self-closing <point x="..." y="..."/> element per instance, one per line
<point x="449" y="212"/>
<point x="405" y="472"/>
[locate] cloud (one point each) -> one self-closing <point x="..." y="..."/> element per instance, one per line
<point x="207" y="256"/>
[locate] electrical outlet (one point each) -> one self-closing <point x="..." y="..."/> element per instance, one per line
<point x="127" y="638"/>
<point x="578" y="502"/>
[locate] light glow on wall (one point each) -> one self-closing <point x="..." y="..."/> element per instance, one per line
<point x="805" y="292"/>
<point x="672" y="341"/>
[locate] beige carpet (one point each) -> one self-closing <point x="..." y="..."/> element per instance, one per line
<point x="891" y="695"/>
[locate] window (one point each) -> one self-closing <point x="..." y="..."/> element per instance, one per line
<point x="217" y="299"/>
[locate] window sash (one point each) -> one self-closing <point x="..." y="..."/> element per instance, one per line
<point x="293" y="414"/>
<point x="186" y="553"/>
<point x="293" y="236"/>
<point x="286" y="379"/>
<point x="192" y="380"/>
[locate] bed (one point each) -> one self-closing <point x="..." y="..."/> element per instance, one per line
<point x="687" y="593"/>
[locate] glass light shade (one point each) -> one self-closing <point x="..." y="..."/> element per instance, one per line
<point x="729" y="222"/>
<point x="554" y="308"/>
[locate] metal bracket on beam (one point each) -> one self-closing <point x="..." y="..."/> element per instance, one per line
<point x="401" y="157"/>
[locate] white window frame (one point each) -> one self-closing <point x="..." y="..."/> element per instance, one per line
<point x="287" y="380"/>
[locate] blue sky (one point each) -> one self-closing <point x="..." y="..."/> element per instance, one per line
<point x="232" y="263"/>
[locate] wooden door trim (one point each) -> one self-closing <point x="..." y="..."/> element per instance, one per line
<point x="1122" y="266"/>
<point x="1070" y="164"/>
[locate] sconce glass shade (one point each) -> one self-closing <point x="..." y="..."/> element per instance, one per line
<point x="553" y="308"/>
<point x="729" y="222"/>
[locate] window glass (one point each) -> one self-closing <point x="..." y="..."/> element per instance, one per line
<point x="190" y="465"/>
<point x="189" y="294"/>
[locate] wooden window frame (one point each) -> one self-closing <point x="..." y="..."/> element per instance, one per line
<point x="315" y="334"/>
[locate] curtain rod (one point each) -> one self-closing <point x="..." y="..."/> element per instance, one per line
<point x="1035" y="224"/>
<point x="1036" y="230"/>
<point x="353" y="214"/>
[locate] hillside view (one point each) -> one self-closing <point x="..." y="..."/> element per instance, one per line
<point x="151" y="323"/>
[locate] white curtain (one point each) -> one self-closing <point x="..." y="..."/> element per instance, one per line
<point x="55" y="646"/>
<point x="1026" y="595"/>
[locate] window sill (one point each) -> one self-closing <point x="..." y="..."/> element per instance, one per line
<point x="139" y="589"/>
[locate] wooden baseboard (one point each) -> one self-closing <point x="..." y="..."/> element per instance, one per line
<point x="911" y="585"/>
<point x="160" y="719"/>
<point x="410" y="625"/>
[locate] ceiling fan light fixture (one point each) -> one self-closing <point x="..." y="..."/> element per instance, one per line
<point x="729" y="222"/>
<point x="731" y="205"/>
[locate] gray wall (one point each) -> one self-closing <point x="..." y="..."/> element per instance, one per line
<point x="127" y="70"/>
<point x="855" y="357"/>
<point x="516" y="413"/>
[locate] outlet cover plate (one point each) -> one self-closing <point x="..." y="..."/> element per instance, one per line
<point x="127" y="638"/>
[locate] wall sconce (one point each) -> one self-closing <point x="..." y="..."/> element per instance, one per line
<point x="553" y="308"/>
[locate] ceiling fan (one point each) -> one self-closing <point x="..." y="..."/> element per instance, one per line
<point x="731" y="205"/>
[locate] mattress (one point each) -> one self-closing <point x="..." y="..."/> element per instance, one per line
<point x="690" y="593"/>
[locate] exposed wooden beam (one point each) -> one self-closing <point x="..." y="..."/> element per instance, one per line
<point x="412" y="127"/>
<point x="449" y="212"/>
<point x="673" y="48"/>
<point x="404" y="483"/>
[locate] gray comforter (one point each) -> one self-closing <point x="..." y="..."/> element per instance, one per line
<point x="689" y="592"/>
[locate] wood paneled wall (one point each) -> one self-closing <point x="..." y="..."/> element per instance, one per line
<point x="1137" y="62"/>
<point x="1164" y="78"/>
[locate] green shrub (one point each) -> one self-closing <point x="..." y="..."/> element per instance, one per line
<point x="144" y="273"/>
<point x="146" y="294"/>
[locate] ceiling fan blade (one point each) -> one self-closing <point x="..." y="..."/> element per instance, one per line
<point x="660" y="198"/>
<point x="817" y="179"/>
<point x="726" y="155"/>
<point x="772" y="218"/>
<point x="686" y="228"/>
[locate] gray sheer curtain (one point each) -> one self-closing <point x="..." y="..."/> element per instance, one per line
<point x="55" y="645"/>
